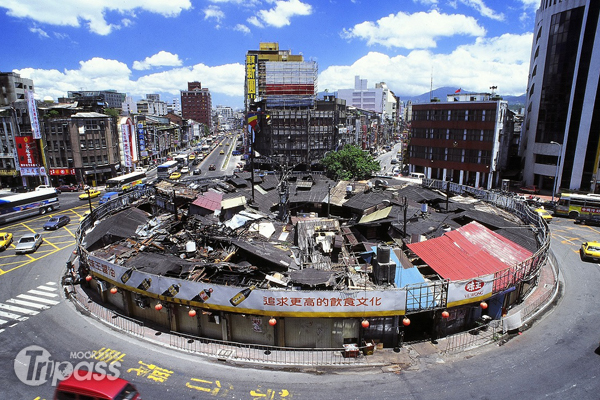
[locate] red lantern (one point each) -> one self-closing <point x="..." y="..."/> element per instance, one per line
<point x="192" y="313"/>
<point x="88" y="278"/>
<point x="365" y="324"/>
<point x="483" y="305"/>
<point x="114" y="290"/>
<point x="445" y="314"/>
<point x="406" y="321"/>
<point x="158" y="307"/>
<point x="74" y="251"/>
<point x="272" y="322"/>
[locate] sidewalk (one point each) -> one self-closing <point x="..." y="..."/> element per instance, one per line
<point x="413" y="356"/>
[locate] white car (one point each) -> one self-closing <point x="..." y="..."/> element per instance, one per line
<point x="28" y="243"/>
<point x="185" y="170"/>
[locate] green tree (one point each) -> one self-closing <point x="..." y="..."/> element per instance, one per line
<point x="111" y="112"/>
<point x="350" y="163"/>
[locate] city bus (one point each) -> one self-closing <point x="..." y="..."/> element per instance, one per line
<point x="125" y="183"/>
<point x="22" y="205"/>
<point x="163" y="171"/>
<point x="575" y="205"/>
<point x="182" y="160"/>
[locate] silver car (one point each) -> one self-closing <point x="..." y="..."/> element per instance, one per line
<point x="28" y="243"/>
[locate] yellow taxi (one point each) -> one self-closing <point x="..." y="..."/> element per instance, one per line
<point x="89" y="194"/>
<point x="175" y="175"/>
<point x="545" y="214"/>
<point x="85" y="214"/>
<point x="6" y="239"/>
<point x="221" y="152"/>
<point x="590" y="251"/>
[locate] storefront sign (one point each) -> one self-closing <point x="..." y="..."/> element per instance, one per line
<point x="469" y="291"/>
<point x="61" y="171"/>
<point x="252" y="300"/>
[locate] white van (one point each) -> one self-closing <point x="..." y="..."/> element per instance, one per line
<point x="417" y="175"/>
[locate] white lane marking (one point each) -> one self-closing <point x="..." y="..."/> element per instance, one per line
<point x="28" y="304"/>
<point x="40" y="293"/>
<point x="32" y="298"/>
<point x="16" y="309"/>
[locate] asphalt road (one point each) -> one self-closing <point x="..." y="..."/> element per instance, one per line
<point x="554" y="359"/>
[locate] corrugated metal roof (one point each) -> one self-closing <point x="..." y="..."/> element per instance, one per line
<point x="233" y="202"/>
<point x="470" y="251"/>
<point x="209" y="200"/>
<point x="377" y="215"/>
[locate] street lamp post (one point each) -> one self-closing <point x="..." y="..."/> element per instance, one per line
<point x="556" y="186"/>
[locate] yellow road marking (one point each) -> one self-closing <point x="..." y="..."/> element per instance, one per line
<point x="2" y="272"/>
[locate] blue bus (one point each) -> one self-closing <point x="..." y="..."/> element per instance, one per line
<point x="23" y="205"/>
<point x="165" y="170"/>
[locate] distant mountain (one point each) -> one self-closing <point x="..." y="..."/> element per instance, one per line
<point x="514" y="102"/>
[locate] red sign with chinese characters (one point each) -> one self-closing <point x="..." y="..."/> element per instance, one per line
<point x="26" y="151"/>
<point x="62" y="171"/>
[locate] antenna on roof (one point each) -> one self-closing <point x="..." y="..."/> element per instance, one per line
<point x="431" y="85"/>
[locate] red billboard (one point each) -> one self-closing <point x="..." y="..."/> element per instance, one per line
<point x="27" y="152"/>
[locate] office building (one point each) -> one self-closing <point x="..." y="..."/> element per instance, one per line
<point x="562" y="118"/>
<point x="13" y="87"/>
<point x="196" y="104"/>
<point x="463" y="140"/>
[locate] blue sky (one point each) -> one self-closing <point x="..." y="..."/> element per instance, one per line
<point x="157" y="46"/>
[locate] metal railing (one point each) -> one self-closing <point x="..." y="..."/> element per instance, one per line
<point x="264" y="354"/>
<point x="126" y="324"/>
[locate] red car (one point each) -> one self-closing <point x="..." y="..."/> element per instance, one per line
<point x="68" y="188"/>
<point x="532" y="189"/>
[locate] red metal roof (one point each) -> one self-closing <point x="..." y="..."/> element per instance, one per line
<point x="209" y="200"/>
<point x="468" y="252"/>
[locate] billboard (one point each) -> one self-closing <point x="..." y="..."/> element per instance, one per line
<point x="125" y="129"/>
<point x="251" y="78"/>
<point x="33" y="115"/>
<point x="27" y="152"/>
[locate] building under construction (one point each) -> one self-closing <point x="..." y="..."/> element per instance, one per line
<point x="283" y="113"/>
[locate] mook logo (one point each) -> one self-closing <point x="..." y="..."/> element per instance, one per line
<point x="474" y="285"/>
<point x="34" y="366"/>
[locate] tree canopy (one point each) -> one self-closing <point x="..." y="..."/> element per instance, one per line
<point x="350" y="163"/>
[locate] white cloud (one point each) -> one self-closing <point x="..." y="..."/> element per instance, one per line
<point x="427" y="2"/>
<point x="39" y="31"/>
<point x="213" y="12"/>
<point x="280" y="15"/>
<point x="501" y="61"/>
<point x="242" y="28"/>
<point x="530" y="4"/>
<point x="414" y="31"/>
<point x="254" y="21"/>
<point x="92" y="14"/>
<point x="99" y="74"/>
<point x="160" y="59"/>
<point x="484" y="10"/>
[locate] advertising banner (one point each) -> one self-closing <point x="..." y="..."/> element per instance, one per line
<point x="252" y="300"/>
<point x="126" y="146"/>
<point x="26" y="152"/>
<point x="33" y="115"/>
<point x="251" y="81"/>
<point x="142" y="140"/>
<point x="470" y="291"/>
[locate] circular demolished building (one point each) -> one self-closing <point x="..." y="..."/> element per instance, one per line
<point x="323" y="265"/>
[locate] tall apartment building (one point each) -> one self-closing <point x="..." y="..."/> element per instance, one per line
<point x="196" y="104"/>
<point x="13" y="87"/>
<point x="562" y="118"/>
<point x="464" y="140"/>
<point x="280" y="93"/>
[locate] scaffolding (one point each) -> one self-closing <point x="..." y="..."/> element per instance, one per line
<point x="289" y="83"/>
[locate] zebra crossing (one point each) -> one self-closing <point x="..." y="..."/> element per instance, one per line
<point x="28" y="304"/>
